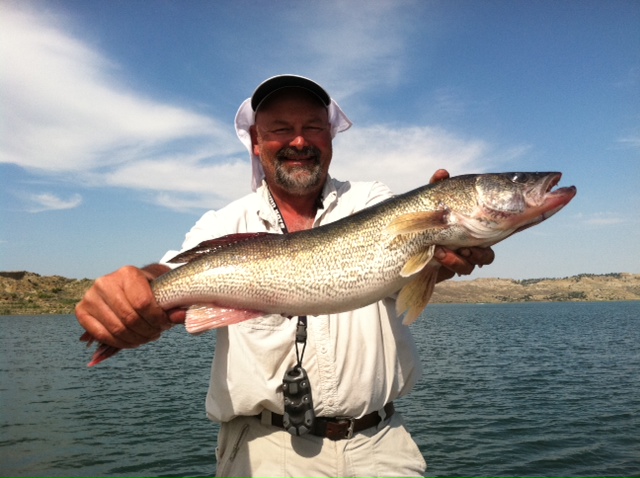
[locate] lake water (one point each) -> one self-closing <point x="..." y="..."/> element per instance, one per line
<point x="509" y="390"/>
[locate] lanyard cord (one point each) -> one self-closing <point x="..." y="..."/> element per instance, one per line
<point x="272" y="202"/>
<point x="301" y="338"/>
<point x="274" y="206"/>
<point x="301" y="328"/>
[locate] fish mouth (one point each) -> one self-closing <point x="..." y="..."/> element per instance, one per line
<point x="541" y="184"/>
<point x="541" y="194"/>
<point x="552" y="181"/>
<point x="545" y="201"/>
<point x="556" y="199"/>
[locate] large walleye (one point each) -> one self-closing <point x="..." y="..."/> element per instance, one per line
<point x="357" y="260"/>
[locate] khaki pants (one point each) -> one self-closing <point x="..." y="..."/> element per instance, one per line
<point x="247" y="447"/>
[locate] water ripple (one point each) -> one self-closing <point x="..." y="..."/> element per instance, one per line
<point x="509" y="390"/>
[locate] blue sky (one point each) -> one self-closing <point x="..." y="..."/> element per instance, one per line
<point x="116" y="116"/>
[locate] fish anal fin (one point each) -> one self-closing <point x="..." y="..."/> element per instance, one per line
<point x="203" y="317"/>
<point x="417" y="222"/>
<point x="211" y="245"/>
<point x="417" y="262"/>
<point x="415" y="295"/>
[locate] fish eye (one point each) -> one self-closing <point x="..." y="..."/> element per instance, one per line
<point x="518" y="177"/>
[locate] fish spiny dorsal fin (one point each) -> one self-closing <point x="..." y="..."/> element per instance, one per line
<point x="414" y="296"/>
<point x="211" y="245"/>
<point x="417" y="262"/>
<point x="417" y="222"/>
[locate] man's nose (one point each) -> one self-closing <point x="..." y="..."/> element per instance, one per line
<point x="298" y="142"/>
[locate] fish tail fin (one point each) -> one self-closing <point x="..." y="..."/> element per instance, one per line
<point x="415" y="295"/>
<point x="203" y="317"/>
<point x="102" y="353"/>
<point x="88" y="338"/>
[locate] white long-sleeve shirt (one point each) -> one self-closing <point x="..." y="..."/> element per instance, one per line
<point x="356" y="361"/>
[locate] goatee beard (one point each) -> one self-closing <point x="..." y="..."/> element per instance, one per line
<point x="298" y="179"/>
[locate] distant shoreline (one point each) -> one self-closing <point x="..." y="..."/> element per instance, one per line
<point x="28" y="293"/>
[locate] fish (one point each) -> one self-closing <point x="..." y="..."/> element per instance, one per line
<point x="377" y="252"/>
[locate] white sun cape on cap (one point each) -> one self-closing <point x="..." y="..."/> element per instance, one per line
<point x="245" y="118"/>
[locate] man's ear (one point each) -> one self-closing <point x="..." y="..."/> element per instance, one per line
<point x="254" y="140"/>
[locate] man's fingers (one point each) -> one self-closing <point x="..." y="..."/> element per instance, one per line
<point x="439" y="175"/>
<point x="463" y="261"/>
<point x="120" y="310"/>
<point x="100" y="320"/>
<point x="480" y="256"/>
<point x="177" y="316"/>
<point x="142" y="313"/>
<point x="454" y="262"/>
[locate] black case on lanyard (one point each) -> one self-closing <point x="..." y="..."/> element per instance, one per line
<point x="299" y="416"/>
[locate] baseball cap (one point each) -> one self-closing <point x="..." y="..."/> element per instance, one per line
<point x="276" y="83"/>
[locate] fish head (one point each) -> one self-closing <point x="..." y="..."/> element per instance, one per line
<point x="482" y="209"/>
<point x="512" y="202"/>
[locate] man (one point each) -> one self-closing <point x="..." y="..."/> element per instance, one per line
<point x="356" y="363"/>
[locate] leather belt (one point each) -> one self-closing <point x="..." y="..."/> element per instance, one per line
<point x="338" y="428"/>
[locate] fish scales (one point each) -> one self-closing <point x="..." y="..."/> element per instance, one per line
<point x="303" y="273"/>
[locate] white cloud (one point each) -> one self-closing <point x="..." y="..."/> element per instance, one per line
<point x="354" y="46"/>
<point x="63" y="109"/>
<point x="604" y="219"/>
<point x="631" y="142"/>
<point x="50" y="202"/>
<point x="185" y="182"/>
<point x="65" y="113"/>
<point x="406" y="157"/>
<point x="598" y="219"/>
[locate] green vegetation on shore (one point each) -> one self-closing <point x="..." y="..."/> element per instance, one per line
<point x="27" y="293"/>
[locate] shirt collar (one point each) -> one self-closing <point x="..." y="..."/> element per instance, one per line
<point x="265" y="211"/>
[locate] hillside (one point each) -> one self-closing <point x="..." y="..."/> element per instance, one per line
<point x="27" y="293"/>
<point x="583" y="287"/>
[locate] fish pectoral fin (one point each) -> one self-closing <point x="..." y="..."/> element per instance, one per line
<point x="211" y="245"/>
<point x="203" y="317"/>
<point x="417" y="222"/>
<point x="417" y="262"/>
<point x="415" y="295"/>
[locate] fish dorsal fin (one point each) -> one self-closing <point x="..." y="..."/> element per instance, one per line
<point x="203" y="317"/>
<point x="417" y="222"/>
<point x="415" y="295"/>
<point x="417" y="262"/>
<point x="211" y="245"/>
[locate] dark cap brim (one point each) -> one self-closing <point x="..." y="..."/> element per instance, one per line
<point x="279" y="82"/>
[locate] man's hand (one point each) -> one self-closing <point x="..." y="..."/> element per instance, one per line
<point x="463" y="261"/>
<point x="120" y="309"/>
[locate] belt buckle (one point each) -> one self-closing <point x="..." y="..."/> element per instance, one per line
<point x="352" y="423"/>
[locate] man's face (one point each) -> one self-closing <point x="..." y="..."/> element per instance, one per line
<point x="292" y="138"/>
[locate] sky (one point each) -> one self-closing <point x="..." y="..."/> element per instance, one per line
<point x="116" y="117"/>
